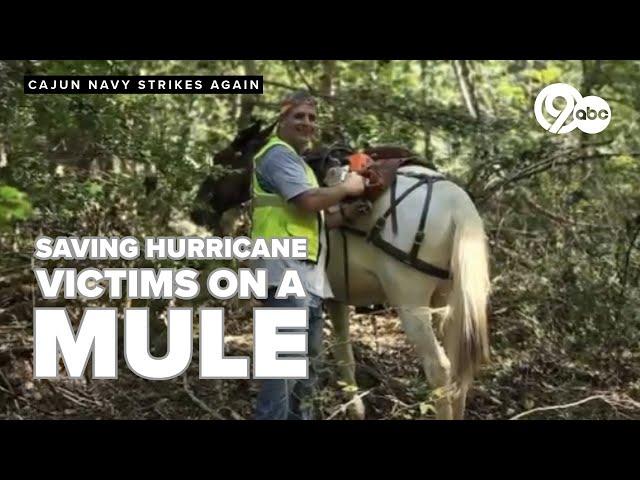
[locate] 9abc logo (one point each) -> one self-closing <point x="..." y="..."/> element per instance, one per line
<point x="590" y="114"/>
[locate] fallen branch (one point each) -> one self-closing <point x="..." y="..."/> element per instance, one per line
<point x="72" y="398"/>
<point x="155" y="408"/>
<point x="234" y="414"/>
<point x="78" y="397"/>
<point x="197" y="401"/>
<point x="343" y="407"/>
<point x="611" y="400"/>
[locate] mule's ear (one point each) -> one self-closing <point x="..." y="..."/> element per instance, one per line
<point x="268" y="131"/>
<point x="246" y="135"/>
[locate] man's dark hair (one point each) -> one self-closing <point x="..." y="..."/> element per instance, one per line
<point x="296" y="98"/>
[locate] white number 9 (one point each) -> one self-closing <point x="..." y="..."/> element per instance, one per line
<point x="546" y="97"/>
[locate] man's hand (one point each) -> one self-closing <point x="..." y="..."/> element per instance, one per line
<point x="354" y="184"/>
<point x="317" y="199"/>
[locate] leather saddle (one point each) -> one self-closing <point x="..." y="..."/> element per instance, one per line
<point x="379" y="165"/>
<point x="381" y="170"/>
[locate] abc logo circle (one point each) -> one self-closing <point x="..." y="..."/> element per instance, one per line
<point x="592" y="114"/>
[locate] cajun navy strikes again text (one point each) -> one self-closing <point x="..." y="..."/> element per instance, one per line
<point x="213" y="85"/>
<point x="239" y="85"/>
<point x="54" y="84"/>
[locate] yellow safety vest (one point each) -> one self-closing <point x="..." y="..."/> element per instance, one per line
<point x="273" y="217"/>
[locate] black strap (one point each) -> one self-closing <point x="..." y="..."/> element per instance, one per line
<point x="410" y="258"/>
<point x="413" y="262"/>
<point x="394" y="252"/>
<point x="417" y="241"/>
<point x="421" y="175"/>
<point x="382" y="220"/>
<point x="355" y="231"/>
<point x="394" y="216"/>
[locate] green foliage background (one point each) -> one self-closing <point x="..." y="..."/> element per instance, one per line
<point x="562" y="211"/>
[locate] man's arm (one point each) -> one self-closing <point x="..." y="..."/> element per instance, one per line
<point x="282" y="173"/>
<point x="316" y="199"/>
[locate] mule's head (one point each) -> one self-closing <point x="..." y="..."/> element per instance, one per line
<point x="249" y="141"/>
<point x="216" y="195"/>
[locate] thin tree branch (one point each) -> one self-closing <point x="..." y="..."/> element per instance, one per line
<point x="547" y="164"/>
<point x="611" y="400"/>
<point x="343" y="407"/>
<point x="302" y="77"/>
<point x="197" y="401"/>
<point x="559" y="407"/>
<point x="558" y="218"/>
<point x="628" y="256"/>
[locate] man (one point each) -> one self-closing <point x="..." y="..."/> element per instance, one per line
<point x="288" y="202"/>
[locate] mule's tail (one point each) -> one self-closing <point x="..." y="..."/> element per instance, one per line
<point x="466" y="332"/>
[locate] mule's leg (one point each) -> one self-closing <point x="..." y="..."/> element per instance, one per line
<point x="459" y="402"/>
<point x="343" y="354"/>
<point x="459" y="397"/>
<point x="416" y="322"/>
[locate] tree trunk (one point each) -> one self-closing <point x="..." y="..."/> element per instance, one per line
<point x="327" y="90"/>
<point x="466" y="88"/>
<point x="247" y="102"/>
<point x="4" y="158"/>
<point x="590" y="78"/>
<point x="484" y="96"/>
<point x="428" y="153"/>
<point x="326" y="80"/>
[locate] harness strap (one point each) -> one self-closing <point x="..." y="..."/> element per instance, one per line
<point x="423" y="218"/>
<point x="394" y="217"/>
<point x="394" y="252"/>
<point x="355" y="231"/>
<point x="412" y="258"/>
<point x="413" y="262"/>
<point x="382" y="220"/>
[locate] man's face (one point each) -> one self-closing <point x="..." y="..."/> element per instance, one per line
<point x="299" y="125"/>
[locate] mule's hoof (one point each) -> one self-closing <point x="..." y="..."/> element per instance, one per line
<point x="356" y="410"/>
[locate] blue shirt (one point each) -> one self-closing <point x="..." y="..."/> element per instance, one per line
<point x="281" y="171"/>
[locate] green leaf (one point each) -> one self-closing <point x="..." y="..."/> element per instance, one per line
<point x="14" y="205"/>
<point x="94" y="189"/>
